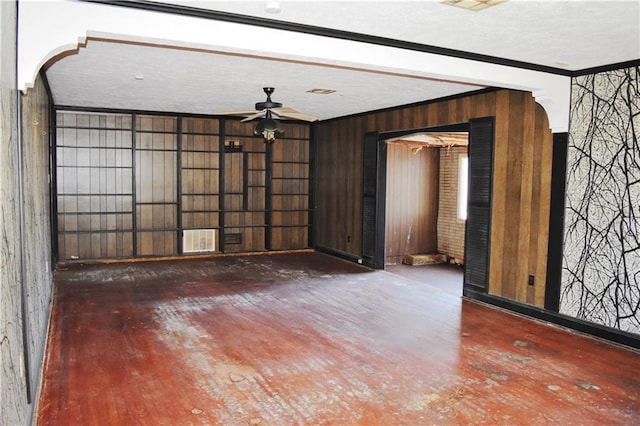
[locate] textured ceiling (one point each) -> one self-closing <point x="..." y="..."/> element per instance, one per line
<point x="577" y="34"/>
<point x="103" y="75"/>
<point x="571" y="35"/>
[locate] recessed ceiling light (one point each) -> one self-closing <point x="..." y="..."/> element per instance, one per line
<point x="475" y="5"/>
<point x="321" y="91"/>
<point x="139" y="77"/>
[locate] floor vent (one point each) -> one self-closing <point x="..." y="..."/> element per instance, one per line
<point x="198" y="240"/>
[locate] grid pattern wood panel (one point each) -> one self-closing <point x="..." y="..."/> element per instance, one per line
<point x="128" y="185"/>
<point x="290" y="188"/>
<point x="200" y="175"/>
<point x="156" y="186"/>
<point x="94" y="185"/>
<point x="244" y="192"/>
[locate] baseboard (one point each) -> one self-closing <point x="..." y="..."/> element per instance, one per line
<point x="607" y="333"/>
<point x="341" y="254"/>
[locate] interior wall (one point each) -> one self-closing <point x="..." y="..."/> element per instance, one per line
<point x="136" y="185"/>
<point x="36" y="239"/>
<point x="412" y="202"/>
<point x="450" y="228"/>
<point x="521" y="182"/>
<point x="25" y="253"/>
<point x="600" y="276"/>
<point x="14" y="408"/>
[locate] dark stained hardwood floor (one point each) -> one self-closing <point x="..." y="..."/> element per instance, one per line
<point x="305" y="338"/>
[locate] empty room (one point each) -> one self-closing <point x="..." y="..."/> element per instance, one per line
<point x="274" y="213"/>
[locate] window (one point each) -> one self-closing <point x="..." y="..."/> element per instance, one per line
<point x="463" y="186"/>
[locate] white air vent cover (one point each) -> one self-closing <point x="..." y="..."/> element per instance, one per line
<point x="198" y="240"/>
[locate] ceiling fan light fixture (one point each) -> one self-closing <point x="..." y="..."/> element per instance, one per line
<point x="268" y="128"/>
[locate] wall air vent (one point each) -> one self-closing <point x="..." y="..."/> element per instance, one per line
<point x="233" y="238"/>
<point x="198" y="240"/>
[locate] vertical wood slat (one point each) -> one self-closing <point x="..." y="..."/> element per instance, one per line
<point x="543" y="167"/>
<point x="522" y="289"/>
<point x="93" y="185"/>
<point x="199" y="173"/>
<point x="411" y="202"/>
<point x="501" y="178"/>
<point x="156" y="185"/>
<point x="171" y="190"/>
<point x="512" y="152"/>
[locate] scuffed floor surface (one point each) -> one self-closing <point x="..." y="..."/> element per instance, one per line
<point x="309" y="339"/>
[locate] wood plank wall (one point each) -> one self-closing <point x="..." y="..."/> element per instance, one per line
<point x="117" y="199"/>
<point x="521" y="185"/>
<point x="412" y="202"/>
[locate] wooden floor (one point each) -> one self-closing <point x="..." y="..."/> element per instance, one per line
<point x="309" y="339"/>
<point x="443" y="276"/>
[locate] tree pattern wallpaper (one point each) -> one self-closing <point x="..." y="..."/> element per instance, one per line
<point x="601" y="265"/>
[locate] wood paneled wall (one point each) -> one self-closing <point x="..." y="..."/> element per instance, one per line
<point x="412" y="202"/>
<point x="129" y="185"/>
<point x="521" y="185"/>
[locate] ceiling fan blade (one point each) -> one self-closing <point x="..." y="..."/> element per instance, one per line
<point x="243" y="112"/>
<point x="295" y="115"/>
<point x="287" y="112"/>
<point x="253" y="117"/>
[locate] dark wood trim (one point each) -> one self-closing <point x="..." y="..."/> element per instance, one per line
<point x="589" y="328"/>
<point x="47" y="87"/>
<point x="245" y="182"/>
<point x="325" y="32"/>
<point x="313" y="185"/>
<point x="381" y="204"/>
<point x="53" y="185"/>
<point x="77" y="108"/>
<point x="222" y="135"/>
<point x="179" y="230"/>
<point x="134" y="195"/>
<point x="374" y="190"/>
<point x="341" y="254"/>
<point x="268" y="194"/>
<point x="53" y="201"/>
<point x="24" y="308"/>
<point x="458" y="127"/>
<point x="475" y="248"/>
<point x="556" y="222"/>
<point x="605" y="68"/>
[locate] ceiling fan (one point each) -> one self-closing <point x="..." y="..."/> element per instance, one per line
<point x="269" y="127"/>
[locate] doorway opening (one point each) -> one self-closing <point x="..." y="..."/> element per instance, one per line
<point x="426" y="206"/>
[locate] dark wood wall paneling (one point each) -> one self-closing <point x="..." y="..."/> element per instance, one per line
<point x="245" y="215"/>
<point x="412" y="202"/>
<point x="129" y="185"/>
<point x="521" y="182"/>
<point x="156" y="199"/>
<point x="95" y="191"/>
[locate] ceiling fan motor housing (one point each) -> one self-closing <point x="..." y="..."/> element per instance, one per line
<point x="268" y="104"/>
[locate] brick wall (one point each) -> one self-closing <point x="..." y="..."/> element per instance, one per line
<point x="450" y="228"/>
